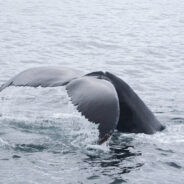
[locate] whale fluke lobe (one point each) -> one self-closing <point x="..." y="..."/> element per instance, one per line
<point x="97" y="100"/>
<point x="44" y="77"/>
<point x="102" y="98"/>
<point x="8" y="83"/>
<point x="135" y="116"/>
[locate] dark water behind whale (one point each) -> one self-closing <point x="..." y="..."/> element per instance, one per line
<point x="43" y="139"/>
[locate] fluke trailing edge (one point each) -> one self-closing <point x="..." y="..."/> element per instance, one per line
<point x="101" y="97"/>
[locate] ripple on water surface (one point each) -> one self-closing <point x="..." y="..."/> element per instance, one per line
<point x="43" y="139"/>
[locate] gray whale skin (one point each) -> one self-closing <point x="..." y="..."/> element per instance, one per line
<point x="101" y="97"/>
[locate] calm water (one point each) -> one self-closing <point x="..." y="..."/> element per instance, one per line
<point x="43" y="139"/>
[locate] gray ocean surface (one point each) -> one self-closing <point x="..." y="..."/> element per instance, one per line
<point x="43" y="139"/>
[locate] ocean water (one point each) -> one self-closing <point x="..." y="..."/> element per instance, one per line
<point x="43" y="139"/>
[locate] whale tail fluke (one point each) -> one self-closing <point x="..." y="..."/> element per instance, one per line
<point x="103" y="98"/>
